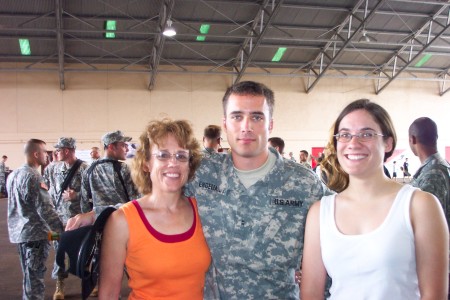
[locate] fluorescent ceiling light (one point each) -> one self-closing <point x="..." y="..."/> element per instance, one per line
<point x="111" y="26"/>
<point x="169" y="30"/>
<point x="279" y="54"/>
<point x="25" y="47"/>
<point x="204" y="29"/>
<point x="423" y="60"/>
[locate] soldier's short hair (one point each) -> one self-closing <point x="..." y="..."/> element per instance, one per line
<point x="32" y="146"/>
<point x="249" y="88"/>
<point x="425" y="130"/>
<point x="212" y="132"/>
<point x="277" y="142"/>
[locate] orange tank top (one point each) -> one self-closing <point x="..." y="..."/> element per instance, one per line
<point x="165" y="266"/>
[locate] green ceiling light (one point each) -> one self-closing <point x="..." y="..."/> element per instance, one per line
<point x="25" y="46"/>
<point x="111" y="26"/>
<point x="204" y="29"/>
<point x="423" y="60"/>
<point x="279" y="54"/>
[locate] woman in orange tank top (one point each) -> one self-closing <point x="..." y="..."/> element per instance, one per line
<point x="158" y="237"/>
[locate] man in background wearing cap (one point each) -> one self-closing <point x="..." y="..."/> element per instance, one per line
<point x="64" y="181"/>
<point x="108" y="181"/>
<point x="30" y="216"/>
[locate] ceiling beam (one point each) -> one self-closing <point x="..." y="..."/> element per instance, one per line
<point x="334" y="55"/>
<point x="250" y="45"/>
<point x="165" y="14"/>
<point x="404" y="54"/>
<point x="60" y="42"/>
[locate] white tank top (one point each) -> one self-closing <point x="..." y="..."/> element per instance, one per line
<point x="378" y="265"/>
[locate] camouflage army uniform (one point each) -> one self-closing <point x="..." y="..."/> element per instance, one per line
<point x="434" y="177"/>
<point x="31" y="216"/>
<point x="2" y="177"/>
<point x="255" y="235"/>
<point x="54" y="176"/>
<point x="105" y="187"/>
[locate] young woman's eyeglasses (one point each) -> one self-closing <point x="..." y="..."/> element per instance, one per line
<point x="363" y="136"/>
<point x="163" y="155"/>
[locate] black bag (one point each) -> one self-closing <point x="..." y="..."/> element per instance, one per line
<point x="82" y="247"/>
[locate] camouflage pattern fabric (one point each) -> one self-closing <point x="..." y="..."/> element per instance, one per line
<point x="33" y="256"/>
<point x="434" y="177"/>
<point x="106" y="188"/>
<point x="31" y="214"/>
<point x="2" y="176"/>
<point x="54" y="177"/>
<point x="255" y="235"/>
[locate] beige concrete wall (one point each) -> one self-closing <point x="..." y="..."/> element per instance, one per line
<point x="33" y="106"/>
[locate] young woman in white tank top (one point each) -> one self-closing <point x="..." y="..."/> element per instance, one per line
<point x="375" y="238"/>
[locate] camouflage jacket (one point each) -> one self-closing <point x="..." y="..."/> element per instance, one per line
<point x="54" y="176"/>
<point x="255" y="235"/>
<point x="105" y="187"/>
<point x="2" y="172"/>
<point x="31" y="214"/>
<point x="434" y="177"/>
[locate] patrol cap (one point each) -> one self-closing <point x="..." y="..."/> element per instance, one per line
<point x="115" y="136"/>
<point x="66" y="142"/>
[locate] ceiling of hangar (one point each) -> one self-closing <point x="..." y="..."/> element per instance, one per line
<point x="405" y="39"/>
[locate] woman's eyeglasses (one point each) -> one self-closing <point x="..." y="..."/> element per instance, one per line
<point x="163" y="155"/>
<point x="363" y="136"/>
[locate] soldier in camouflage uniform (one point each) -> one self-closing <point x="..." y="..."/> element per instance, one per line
<point x="101" y="184"/>
<point x="31" y="216"/>
<point x="67" y="202"/>
<point x="211" y="139"/>
<point x="434" y="174"/>
<point x="3" y="175"/>
<point x="253" y="204"/>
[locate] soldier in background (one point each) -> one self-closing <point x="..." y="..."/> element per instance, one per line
<point x="66" y="175"/>
<point x="95" y="153"/>
<point x="31" y="216"/>
<point x="108" y="180"/>
<point x="277" y="143"/>
<point x="211" y="139"/>
<point x="433" y="176"/>
<point x="3" y="176"/>
<point x="304" y="159"/>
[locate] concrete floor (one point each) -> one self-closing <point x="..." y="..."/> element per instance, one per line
<point x="11" y="273"/>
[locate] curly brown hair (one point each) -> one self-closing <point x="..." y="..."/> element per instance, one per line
<point x="154" y="134"/>
<point x="338" y="179"/>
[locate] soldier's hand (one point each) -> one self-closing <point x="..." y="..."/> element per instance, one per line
<point x="81" y="220"/>
<point x="69" y="195"/>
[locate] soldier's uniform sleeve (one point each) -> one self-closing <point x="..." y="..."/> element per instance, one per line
<point x="131" y="188"/>
<point x="85" y="190"/>
<point x="47" y="176"/>
<point x="38" y="194"/>
<point x="434" y="183"/>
